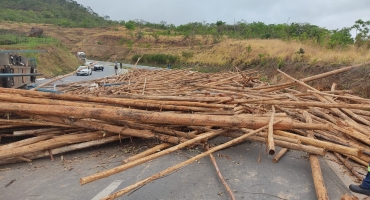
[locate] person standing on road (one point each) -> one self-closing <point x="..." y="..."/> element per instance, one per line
<point x="115" y="68"/>
<point x="364" y="187"/>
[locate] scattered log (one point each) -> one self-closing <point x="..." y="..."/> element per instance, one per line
<point x="279" y="155"/>
<point x="232" y="196"/>
<point x="178" y="166"/>
<point x="349" y="166"/>
<point x="318" y="180"/>
<point x="174" y="106"/>
<point x="322" y="144"/>
<point x="133" y="163"/>
<point x="270" y="138"/>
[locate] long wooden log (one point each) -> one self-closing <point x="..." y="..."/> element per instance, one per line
<point x="34" y="132"/>
<point x="117" y="101"/>
<point x="232" y="196"/>
<point x="114" y="129"/>
<point x="44" y="101"/>
<point x="50" y="144"/>
<point x="353" y="133"/>
<point x="178" y="166"/>
<point x="318" y="180"/>
<point x="25" y="142"/>
<point x="317" y="104"/>
<point x="344" y="141"/>
<point x="322" y="144"/>
<point x="33" y="122"/>
<point x="173" y="98"/>
<point x="278" y="137"/>
<point x="270" y="138"/>
<point x="326" y="99"/>
<point x="129" y="165"/>
<point x="358" y="160"/>
<point x="64" y="149"/>
<point x="349" y="166"/>
<point x="356" y="99"/>
<point x="154" y="117"/>
<point x="319" y="113"/>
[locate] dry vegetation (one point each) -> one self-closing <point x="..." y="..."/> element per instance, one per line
<point x="117" y="43"/>
<point x="98" y="42"/>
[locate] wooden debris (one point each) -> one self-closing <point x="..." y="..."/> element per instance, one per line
<point x="279" y="155"/>
<point x="185" y="108"/>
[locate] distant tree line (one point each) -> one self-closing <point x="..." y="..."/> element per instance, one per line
<point x="303" y="32"/>
<point x="69" y="13"/>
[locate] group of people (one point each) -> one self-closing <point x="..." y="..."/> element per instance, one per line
<point x="116" y="67"/>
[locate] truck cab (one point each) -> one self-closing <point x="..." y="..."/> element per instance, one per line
<point x="81" y="55"/>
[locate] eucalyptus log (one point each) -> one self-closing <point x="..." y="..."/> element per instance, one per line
<point x="154" y="117"/>
<point x="58" y="141"/>
<point x="34" y="131"/>
<point x="322" y="144"/>
<point x="25" y="142"/>
<point x="349" y="166"/>
<point x="318" y="180"/>
<point x="279" y="155"/>
<point x="282" y="143"/>
<point x="114" y="129"/>
<point x="270" y="138"/>
<point x="180" y="165"/>
<point x="221" y="177"/>
<point x="134" y="163"/>
<point x="63" y="149"/>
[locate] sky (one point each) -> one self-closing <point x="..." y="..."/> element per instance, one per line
<point x="330" y="14"/>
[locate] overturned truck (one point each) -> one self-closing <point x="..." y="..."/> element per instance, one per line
<point x="16" y="71"/>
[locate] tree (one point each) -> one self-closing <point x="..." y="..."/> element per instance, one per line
<point x="362" y="32"/>
<point x="340" y="38"/>
<point x="130" y="25"/>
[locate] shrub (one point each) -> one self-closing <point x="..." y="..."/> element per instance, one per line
<point x="130" y="25"/>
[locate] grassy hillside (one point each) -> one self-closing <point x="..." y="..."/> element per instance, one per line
<point x="67" y="13"/>
<point x="57" y="58"/>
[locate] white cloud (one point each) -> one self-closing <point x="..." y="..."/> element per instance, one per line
<point x="331" y="14"/>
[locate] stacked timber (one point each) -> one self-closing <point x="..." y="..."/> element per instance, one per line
<point x="184" y="108"/>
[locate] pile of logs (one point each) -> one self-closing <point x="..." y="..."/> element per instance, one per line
<point x="184" y="108"/>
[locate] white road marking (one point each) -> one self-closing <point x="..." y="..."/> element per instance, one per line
<point x="108" y="190"/>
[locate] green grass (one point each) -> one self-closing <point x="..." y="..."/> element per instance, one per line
<point x="24" y="41"/>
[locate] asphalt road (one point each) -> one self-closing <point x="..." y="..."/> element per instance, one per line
<point x="108" y="71"/>
<point x="290" y="178"/>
